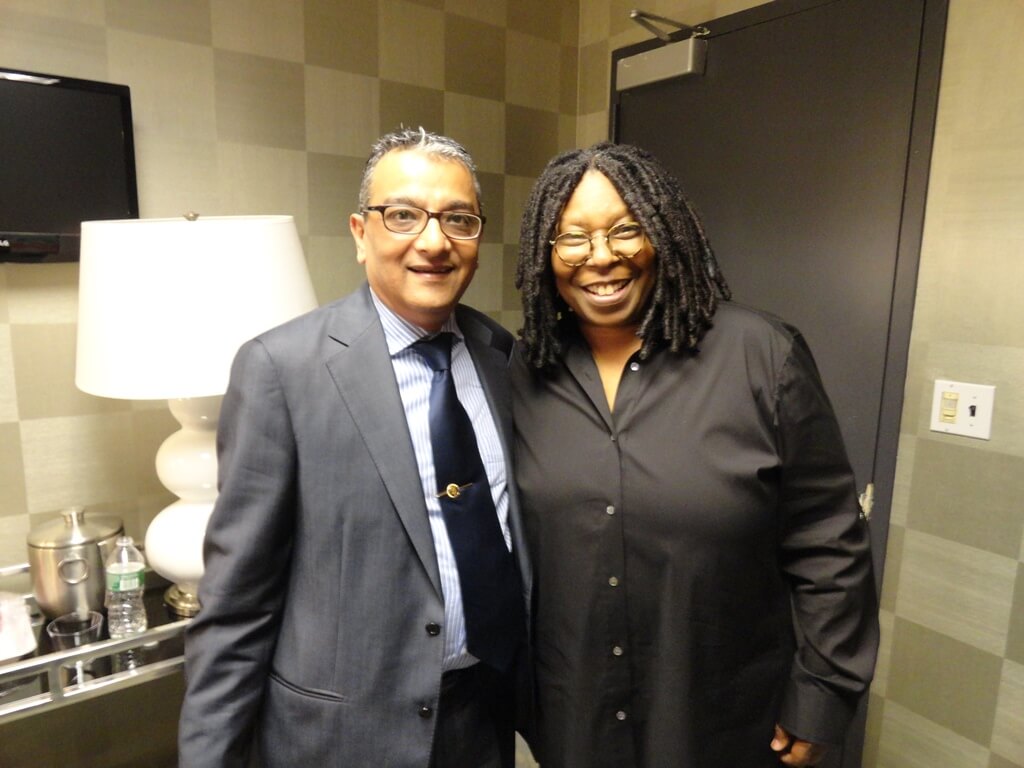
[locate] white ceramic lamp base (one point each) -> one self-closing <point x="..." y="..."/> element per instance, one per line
<point x="187" y="465"/>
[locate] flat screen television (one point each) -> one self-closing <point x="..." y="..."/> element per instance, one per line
<point x="67" y="155"/>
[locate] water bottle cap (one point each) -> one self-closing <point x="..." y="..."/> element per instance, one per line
<point x="125" y="541"/>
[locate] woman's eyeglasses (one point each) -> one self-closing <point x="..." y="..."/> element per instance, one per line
<point x="575" y="248"/>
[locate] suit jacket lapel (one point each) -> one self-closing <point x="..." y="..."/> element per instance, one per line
<point x="365" y="378"/>
<point x="492" y="366"/>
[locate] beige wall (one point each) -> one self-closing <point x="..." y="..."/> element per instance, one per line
<point x="271" y="110"/>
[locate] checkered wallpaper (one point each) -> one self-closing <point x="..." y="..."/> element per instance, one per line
<point x="269" y="106"/>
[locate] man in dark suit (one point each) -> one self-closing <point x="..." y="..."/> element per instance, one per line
<point x="333" y="631"/>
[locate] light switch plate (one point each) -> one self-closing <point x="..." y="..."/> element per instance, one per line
<point x="964" y="409"/>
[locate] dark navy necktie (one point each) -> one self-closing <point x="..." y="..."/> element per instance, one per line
<point x="492" y="599"/>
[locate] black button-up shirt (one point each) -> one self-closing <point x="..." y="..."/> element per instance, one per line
<point x="667" y="540"/>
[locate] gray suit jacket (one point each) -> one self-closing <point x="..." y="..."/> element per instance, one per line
<point x="321" y="577"/>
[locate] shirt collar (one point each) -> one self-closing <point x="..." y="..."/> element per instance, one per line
<point x="400" y="333"/>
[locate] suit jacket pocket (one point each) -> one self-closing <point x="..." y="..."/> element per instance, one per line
<point x="308" y="726"/>
<point x="318" y="693"/>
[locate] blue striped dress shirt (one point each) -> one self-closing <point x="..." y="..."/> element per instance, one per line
<point x="414" y="377"/>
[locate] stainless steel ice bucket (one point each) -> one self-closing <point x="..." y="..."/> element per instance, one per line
<point x="66" y="557"/>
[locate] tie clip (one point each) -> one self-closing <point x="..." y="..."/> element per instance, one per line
<point x="453" y="490"/>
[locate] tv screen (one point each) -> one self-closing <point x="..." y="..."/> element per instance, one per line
<point x="67" y="155"/>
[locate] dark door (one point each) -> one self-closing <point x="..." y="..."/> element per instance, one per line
<point x="805" y="146"/>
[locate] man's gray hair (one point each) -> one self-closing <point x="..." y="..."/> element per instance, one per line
<point x="420" y="140"/>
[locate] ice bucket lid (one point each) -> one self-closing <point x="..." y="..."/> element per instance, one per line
<point x="72" y="529"/>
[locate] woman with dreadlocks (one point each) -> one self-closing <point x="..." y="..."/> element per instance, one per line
<point x="704" y="592"/>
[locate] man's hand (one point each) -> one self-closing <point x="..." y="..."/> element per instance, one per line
<point x="794" y="751"/>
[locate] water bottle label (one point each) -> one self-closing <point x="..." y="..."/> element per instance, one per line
<point x="125" y="582"/>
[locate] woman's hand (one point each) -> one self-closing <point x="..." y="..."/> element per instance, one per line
<point x="794" y="751"/>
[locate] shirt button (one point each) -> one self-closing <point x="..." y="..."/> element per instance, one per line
<point x="634" y="366"/>
<point x="613" y="581"/>
<point x="427" y="712"/>
<point x="620" y="715"/>
<point x="617" y="650"/>
<point x="610" y="510"/>
<point x="433" y="629"/>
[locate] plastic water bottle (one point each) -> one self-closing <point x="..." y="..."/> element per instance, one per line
<point x="126" y="581"/>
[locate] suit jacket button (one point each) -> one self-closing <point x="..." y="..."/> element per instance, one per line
<point x="426" y="712"/>
<point x="433" y="629"/>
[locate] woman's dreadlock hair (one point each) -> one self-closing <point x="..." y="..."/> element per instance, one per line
<point x="688" y="282"/>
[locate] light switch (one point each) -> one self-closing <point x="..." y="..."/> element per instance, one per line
<point x="948" y="406"/>
<point x="963" y="409"/>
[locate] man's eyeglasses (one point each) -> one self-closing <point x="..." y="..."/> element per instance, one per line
<point x="575" y="248"/>
<point x="410" y="220"/>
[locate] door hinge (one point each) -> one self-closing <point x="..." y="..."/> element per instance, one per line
<point x="867" y="501"/>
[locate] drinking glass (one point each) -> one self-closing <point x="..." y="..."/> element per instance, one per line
<point x="73" y="630"/>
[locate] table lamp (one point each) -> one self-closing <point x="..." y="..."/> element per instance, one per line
<point x="163" y="306"/>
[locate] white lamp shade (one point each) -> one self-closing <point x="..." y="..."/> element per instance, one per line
<point x="164" y="304"/>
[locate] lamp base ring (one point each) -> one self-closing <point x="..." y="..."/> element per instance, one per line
<point x="181" y="602"/>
